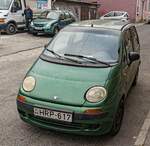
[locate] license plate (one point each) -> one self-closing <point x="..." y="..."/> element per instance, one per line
<point x="38" y="28"/>
<point x="51" y="114"/>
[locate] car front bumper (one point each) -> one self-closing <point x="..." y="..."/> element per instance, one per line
<point x="82" y="124"/>
<point x="3" y="26"/>
<point x="41" y="30"/>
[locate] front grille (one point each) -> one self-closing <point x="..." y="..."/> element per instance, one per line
<point x="38" y="25"/>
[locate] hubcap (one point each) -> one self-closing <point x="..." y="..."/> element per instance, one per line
<point x="12" y="29"/>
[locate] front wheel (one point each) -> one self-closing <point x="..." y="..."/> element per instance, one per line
<point x="118" y="119"/>
<point x="11" y="29"/>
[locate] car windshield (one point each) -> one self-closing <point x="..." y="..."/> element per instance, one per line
<point x="102" y="45"/>
<point x="4" y="4"/>
<point x="49" y="15"/>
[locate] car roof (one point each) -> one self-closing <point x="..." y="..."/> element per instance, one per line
<point x="105" y="24"/>
<point x="118" y="12"/>
<point x="59" y="11"/>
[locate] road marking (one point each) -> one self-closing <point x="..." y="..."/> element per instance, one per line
<point x="25" y="50"/>
<point x="143" y="132"/>
<point x="5" y="37"/>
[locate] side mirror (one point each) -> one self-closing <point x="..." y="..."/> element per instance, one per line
<point x="133" y="56"/>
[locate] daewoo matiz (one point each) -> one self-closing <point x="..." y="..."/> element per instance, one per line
<point x="81" y="80"/>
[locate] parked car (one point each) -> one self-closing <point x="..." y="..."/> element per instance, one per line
<point x="12" y="15"/>
<point x="148" y="19"/>
<point x="51" y="21"/>
<point x="81" y="80"/>
<point x="116" y="15"/>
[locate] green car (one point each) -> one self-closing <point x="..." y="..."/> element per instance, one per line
<point x="80" y="82"/>
<point x="51" y="21"/>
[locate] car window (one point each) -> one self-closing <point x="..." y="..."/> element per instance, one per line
<point x="128" y="45"/>
<point x="17" y="5"/>
<point x="111" y="14"/>
<point x="102" y="45"/>
<point x="118" y="13"/>
<point x="67" y="15"/>
<point x="128" y="41"/>
<point x="4" y="4"/>
<point x="53" y="15"/>
<point x="135" y="38"/>
<point x="43" y="14"/>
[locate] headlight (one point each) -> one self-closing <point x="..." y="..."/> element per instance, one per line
<point x="47" y="25"/>
<point x="96" y="94"/>
<point x="29" y="84"/>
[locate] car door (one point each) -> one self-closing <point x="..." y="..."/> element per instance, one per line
<point x="17" y="12"/>
<point x="128" y="68"/>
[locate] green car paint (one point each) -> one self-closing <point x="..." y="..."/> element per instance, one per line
<point x="70" y="83"/>
<point x="50" y="20"/>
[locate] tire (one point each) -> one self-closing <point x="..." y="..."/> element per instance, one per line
<point x="117" y="122"/>
<point x="35" y="33"/>
<point x="135" y="79"/>
<point x="11" y="29"/>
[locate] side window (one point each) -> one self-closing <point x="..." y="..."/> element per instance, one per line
<point x="128" y="45"/>
<point x="128" y="41"/>
<point x="17" y="5"/>
<point x="111" y="14"/>
<point x="117" y="14"/>
<point x="135" y="38"/>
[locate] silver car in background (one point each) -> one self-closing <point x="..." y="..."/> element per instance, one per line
<point x="116" y="15"/>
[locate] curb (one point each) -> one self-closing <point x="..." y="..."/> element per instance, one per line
<point x="140" y="141"/>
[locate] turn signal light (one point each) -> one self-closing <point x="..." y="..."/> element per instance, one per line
<point x="21" y="98"/>
<point x="94" y="111"/>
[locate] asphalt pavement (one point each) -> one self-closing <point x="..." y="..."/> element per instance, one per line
<point x="17" y="54"/>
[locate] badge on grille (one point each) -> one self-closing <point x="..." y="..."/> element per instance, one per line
<point x="55" y="97"/>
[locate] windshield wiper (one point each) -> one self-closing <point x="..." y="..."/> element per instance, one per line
<point x="54" y="53"/>
<point x="62" y="57"/>
<point x="88" y="58"/>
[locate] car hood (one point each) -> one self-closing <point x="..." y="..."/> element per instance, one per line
<point x="43" y="21"/>
<point x="64" y="84"/>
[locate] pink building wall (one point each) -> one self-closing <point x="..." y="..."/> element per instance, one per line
<point x="118" y="5"/>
